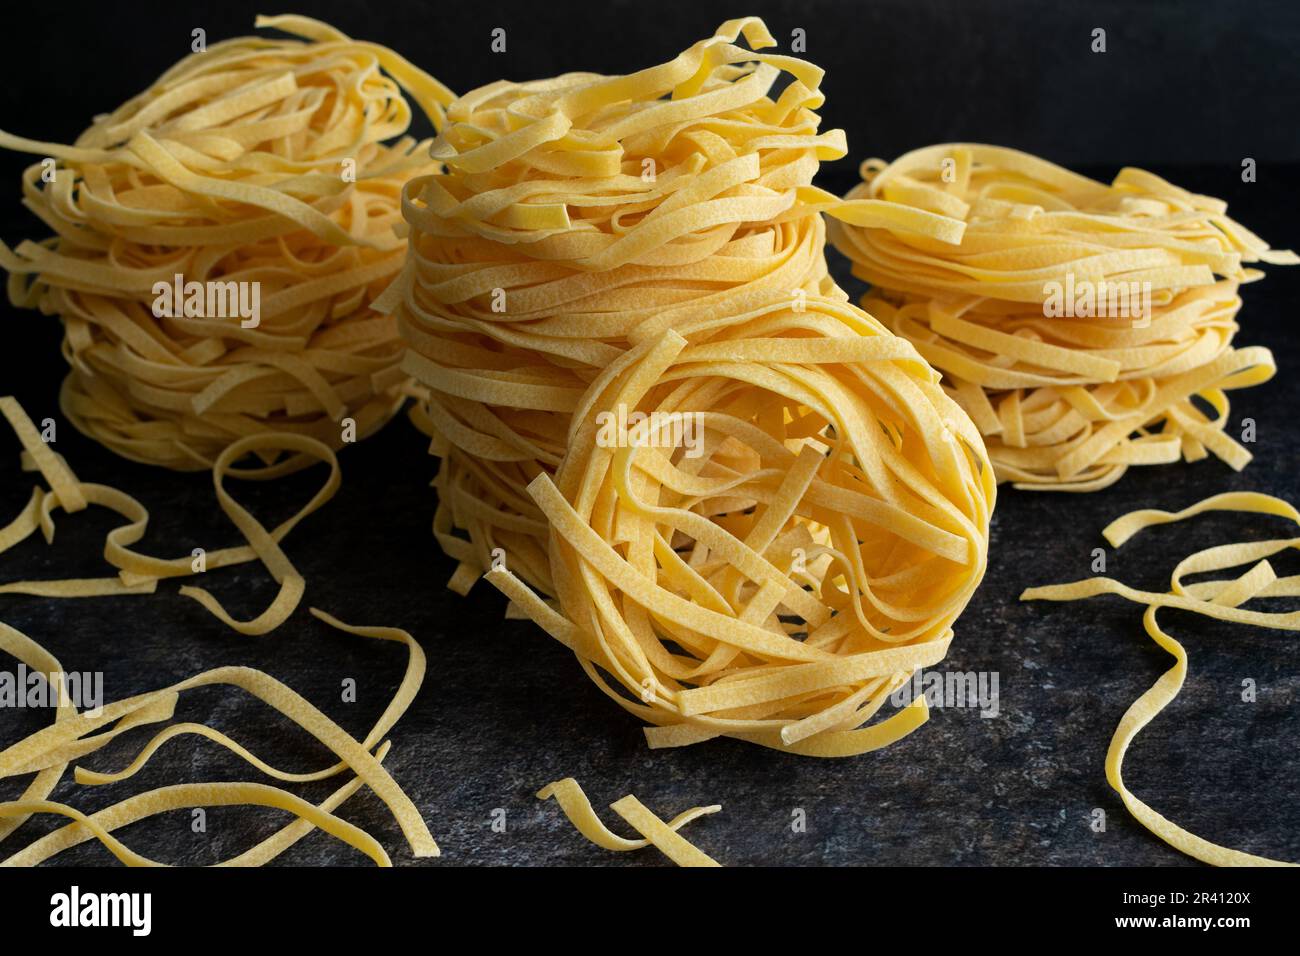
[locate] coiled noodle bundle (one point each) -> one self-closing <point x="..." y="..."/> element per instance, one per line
<point x="260" y="162"/>
<point x="806" y="548"/>
<point x="748" y="508"/>
<point x="572" y="211"/>
<point x="1085" y="327"/>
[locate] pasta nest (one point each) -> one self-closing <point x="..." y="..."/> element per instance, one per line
<point x="1084" y="327"/>
<point x="257" y="168"/>
<point x="747" y="507"/>
<point x="573" y="212"/>
<point x="783" y="532"/>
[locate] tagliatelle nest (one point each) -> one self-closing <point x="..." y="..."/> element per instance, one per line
<point x="641" y="258"/>
<point x="1066" y="398"/>
<point x="573" y="212"/>
<point x="777" y="575"/>
<point x="259" y="163"/>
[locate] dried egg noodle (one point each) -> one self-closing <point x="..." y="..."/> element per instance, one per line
<point x="258" y="161"/>
<point x="574" y="214"/>
<point x="48" y="752"/>
<point x="655" y="832"/>
<point x="778" y="586"/>
<point x="1066" y="402"/>
<point x="1219" y="599"/>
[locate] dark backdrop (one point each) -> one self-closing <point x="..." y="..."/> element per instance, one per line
<point x="1187" y="89"/>
<point x="1190" y="81"/>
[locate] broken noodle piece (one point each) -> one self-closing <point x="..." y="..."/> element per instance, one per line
<point x="569" y="795"/>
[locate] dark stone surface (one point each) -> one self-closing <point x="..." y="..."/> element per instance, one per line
<point x="504" y="709"/>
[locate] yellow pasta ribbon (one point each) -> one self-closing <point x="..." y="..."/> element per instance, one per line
<point x="185" y="796"/>
<point x="257" y="167"/>
<point x="655" y="832"/>
<point x="139" y="573"/>
<point x="72" y="736"/>
<point x="1086" y="328"/>
<point x="1219" y="599"/>
<point x="38" y="751"/>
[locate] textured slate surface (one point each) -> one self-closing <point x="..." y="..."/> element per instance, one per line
<point x="505" y="710"/>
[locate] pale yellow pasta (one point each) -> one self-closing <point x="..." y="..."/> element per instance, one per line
<point x="1220" y="599"/>
<point x="139" y="573"/>
<point x="652" y="244"/>
<point x="779" y="585"/>
<point x="568" y="794"/>
<point x="73" y="736"/>
<point x="147" y="804"/>
<point x="43" y="748"/>
<point x="674" y="846"/>
<point x="258" y="163"/>
<point x="185" y="796"/>
<point x="1085" y="327"/>
<point x="577" y="215"/>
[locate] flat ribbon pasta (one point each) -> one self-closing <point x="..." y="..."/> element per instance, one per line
<point x="73" y="736"/>
<point x="175" y="798"/>
<point x="1067" y="398"/>
<point x="576" y="215"/>
<point x="44" y="748"/>
<point x="1218" y="599"/>
<point x="256" y="163"/>
<point x="652" y="244"/>
<point x="779" y="584"/>
<point x="139" y="573"/>
<point x="655" y="832"/>
<point x="47" y="753"/>
<point x="152" y="802"/>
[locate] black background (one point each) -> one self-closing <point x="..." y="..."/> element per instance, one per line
<point x="1180" y="82"/>
<point x="1188" y="89"/>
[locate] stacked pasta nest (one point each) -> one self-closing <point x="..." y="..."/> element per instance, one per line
<point x="1084" y="327"/>
<point x="740" y="497"/>
<point x="257" y="169"/>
